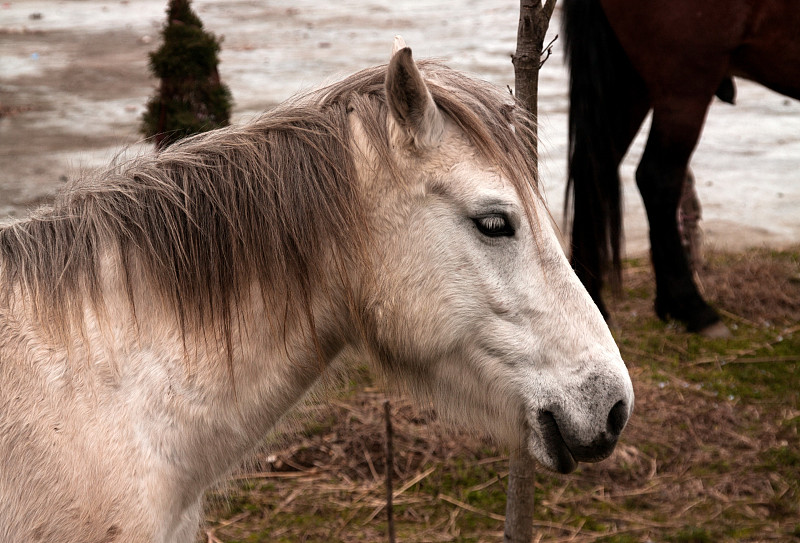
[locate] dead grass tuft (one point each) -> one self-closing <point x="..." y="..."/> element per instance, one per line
<point x="760" y="285"/>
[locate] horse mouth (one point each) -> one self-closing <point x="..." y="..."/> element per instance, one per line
<point x="566" y="454"/>
<point x="557" y="448"/>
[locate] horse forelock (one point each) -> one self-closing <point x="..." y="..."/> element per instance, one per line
<point x="264" y="203"/>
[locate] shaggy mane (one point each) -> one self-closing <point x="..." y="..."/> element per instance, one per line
<point x="210" y="215"/>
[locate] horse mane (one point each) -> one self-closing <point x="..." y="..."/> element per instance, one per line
<point x="209" y="216"/>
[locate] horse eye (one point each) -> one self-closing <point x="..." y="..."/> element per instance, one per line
<point x="494" y="226"/>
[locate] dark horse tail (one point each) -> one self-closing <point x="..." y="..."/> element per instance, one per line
<point x="601" y="86"/>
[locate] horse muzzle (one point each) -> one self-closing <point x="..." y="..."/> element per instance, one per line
<point x="564" y="449"/>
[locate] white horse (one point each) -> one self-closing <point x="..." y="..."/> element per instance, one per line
<point x="159" y="319"/>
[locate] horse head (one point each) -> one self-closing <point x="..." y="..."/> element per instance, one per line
<point x="473" y="304"/>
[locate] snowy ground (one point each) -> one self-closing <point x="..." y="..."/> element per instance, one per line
<point x="76" y="74"/>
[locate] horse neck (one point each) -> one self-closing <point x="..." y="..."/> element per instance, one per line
<point x="193" y="410"/>
<point x="230" y="403"/>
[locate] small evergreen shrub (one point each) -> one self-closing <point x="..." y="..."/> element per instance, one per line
<point x="191" y="97"/>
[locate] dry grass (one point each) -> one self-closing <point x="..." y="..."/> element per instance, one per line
<point x="761" y="286"/>
<point x="711" y="454"/>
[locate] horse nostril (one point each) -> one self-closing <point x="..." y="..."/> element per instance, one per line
<point x="617" y="418"/>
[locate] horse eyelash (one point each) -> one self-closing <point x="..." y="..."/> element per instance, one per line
<point x="494" y="225"/>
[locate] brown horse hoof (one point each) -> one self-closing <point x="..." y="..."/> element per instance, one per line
<point x="716" y="330"/>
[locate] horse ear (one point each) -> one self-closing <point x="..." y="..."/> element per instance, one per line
<point x="410" y="102"/>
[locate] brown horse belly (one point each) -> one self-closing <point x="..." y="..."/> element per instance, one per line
<point x="770" y="50"/>
<point x="679" y="48"/>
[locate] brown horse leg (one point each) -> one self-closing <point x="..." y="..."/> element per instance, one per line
<point x="660" y="178"/>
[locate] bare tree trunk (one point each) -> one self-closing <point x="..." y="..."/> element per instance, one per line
<point x="387" y="411"/>
<point x="534" y="18"/>
<point x="519" y="501"/>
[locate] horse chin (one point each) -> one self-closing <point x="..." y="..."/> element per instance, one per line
<point x="553" y="451"/>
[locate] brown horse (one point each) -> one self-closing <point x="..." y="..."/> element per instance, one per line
<point x="627" y="57"/>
